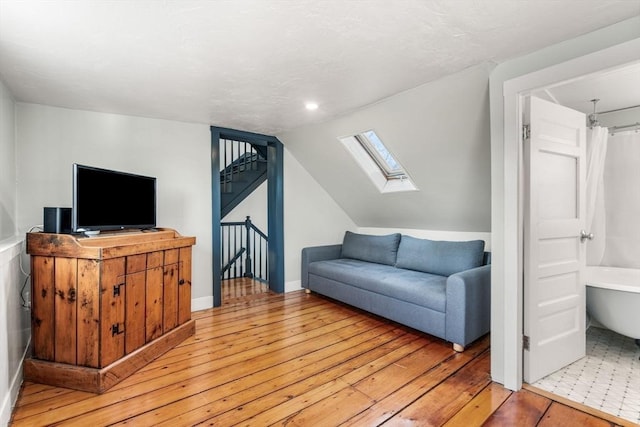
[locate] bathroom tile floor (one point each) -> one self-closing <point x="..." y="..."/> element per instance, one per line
<point x="606" y="379"/>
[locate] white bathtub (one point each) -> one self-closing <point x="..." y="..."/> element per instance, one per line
<point x="613" y="298"/>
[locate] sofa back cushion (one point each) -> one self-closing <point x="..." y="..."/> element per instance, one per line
<point x="439" y="257"/>
<point x="380" y="249"/>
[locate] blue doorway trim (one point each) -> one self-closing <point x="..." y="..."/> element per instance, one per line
<point x="275" y="205"/>
<point x="275" y="198"/>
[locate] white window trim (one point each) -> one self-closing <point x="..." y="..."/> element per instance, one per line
<point x="377" y="157"/>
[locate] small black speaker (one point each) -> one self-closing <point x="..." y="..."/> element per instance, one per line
<point x="57" y="220"/>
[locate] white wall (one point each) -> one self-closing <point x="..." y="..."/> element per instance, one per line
<point x="51" y="139"/>
<point x="506" y="319"/>
<point x="255" y="206"/>
<point x="312" y="218"/>
<point x="7" y="164"/>
<point x="14" y="326"/>
<point x="14" y="320"/>
<point x="439" y="132"/>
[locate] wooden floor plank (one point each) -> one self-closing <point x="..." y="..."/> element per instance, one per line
<point x="580" y="407"/>
<point x="441" y="403"/>
<point x="330" y="411"/>
<point x="476" y="412"/>
<point x="560" y="415"/>
<point x="48" y="392"/>
<point x="393" y="376"/>
<point x="34" y="388"/>
<point x="43" y="407"/>
<point x="302" y="360"/>
<point x="520" y="409"/>
<point x="385" y="409"/>
<point x="243" y="289"/>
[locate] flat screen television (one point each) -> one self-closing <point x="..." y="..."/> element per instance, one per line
<point x="106" y="199"/>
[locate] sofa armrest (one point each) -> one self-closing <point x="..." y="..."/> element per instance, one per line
<point x="317" y="253"/>
<point x="468" y="312"/>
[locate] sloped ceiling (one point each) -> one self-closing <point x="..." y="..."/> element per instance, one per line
<point x="252" y="64"/>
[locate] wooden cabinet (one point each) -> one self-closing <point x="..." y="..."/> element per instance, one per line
<point x="102" y="307"/>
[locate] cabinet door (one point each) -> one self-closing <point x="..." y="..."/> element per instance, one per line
<point x="135" y="302"/>
<point x="112" y="307"/>
<point x="154" y="285"/>
<point x="184" y="286"/>
<point x="170" y="318"/>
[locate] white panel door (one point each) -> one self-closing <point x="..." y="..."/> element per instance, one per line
<point x="554" y="216"/>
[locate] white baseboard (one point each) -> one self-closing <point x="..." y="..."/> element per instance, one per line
<point x="294" y="285"/>
<point x="5" y="410"/>
<point x="14" y="389"/>
<point x="201" y="303"/>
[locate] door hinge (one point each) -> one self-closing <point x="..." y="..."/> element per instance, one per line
<point x="525" y="342"/>
<point x="526" y="132"/>
<point x="115" y="329"/>
<point x="116" y="289"/>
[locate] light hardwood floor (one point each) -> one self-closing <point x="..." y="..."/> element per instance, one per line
<point x="303" y="360"/>
<point x="241" y="290"/>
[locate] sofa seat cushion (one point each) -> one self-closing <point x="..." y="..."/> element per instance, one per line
<point x="424" y="289"/>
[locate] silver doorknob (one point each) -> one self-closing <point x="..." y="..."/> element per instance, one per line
<point x="585" y="236"/>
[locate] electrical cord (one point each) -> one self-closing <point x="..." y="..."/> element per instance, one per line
<point x="26" y="304"/>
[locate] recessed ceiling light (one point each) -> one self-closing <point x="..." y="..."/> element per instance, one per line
<point x="311" y="106"/>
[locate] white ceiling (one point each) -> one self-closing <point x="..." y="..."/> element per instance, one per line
<point x="252" y="64"/>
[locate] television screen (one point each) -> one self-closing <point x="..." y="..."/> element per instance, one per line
<point x="110" y="200"/>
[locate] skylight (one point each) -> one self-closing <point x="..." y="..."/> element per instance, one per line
<point x="380" y="154"/>
<point x="377" y="162"/>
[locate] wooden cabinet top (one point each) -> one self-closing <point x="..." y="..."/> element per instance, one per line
<point x="106" y="245"/>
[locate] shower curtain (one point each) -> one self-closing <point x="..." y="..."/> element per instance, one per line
<point x="595" y="193"/>
<point x="622" y="198"/>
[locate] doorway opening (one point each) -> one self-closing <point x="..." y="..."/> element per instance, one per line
<point x="598" y="380"/>
<point x="603" y="379"/>
<point x="256" y="157"/>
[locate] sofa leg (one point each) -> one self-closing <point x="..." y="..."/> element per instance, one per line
<point x="458" y="347"/>
<point x="307" y="291"/>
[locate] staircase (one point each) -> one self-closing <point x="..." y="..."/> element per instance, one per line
<point x="245" y="168"/>
<point x="244" y="246"/>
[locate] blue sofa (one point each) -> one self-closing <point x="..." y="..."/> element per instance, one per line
<point x="442" y="288"/>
